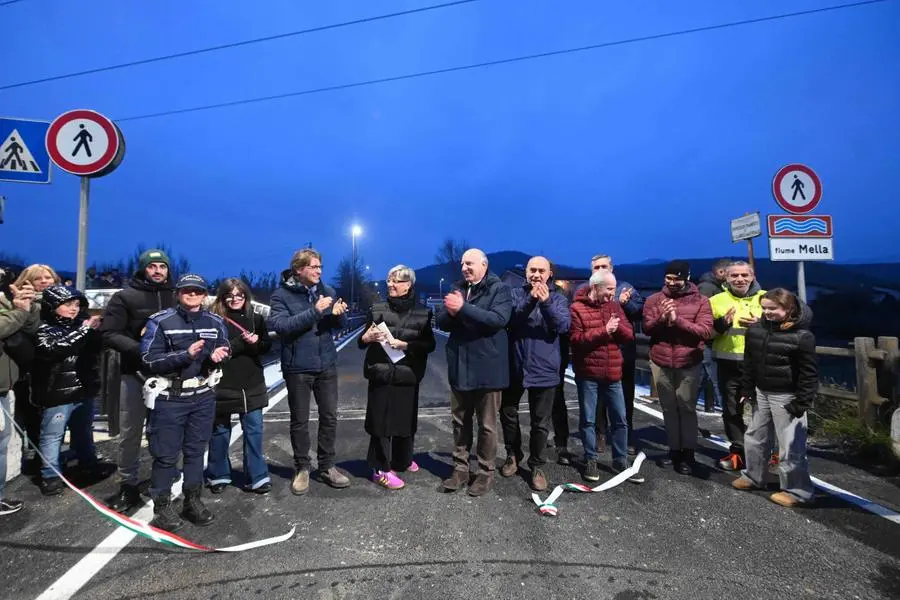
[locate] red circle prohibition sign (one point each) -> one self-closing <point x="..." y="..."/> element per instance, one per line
<point x="783" y="202"/>
<point x="102" y="161"/>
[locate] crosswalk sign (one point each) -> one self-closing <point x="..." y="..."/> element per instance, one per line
<point x="23" y="151"/>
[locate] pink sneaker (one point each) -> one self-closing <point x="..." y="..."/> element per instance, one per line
<point x="387" y="479"/>
<point x="413" y="467"/>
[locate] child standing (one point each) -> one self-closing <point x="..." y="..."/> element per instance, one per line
<point x="781" y="371"/>
<point x="65" y="379"/>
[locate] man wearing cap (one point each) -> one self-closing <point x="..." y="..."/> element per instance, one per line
<point x="679" y="321"/>
<point x="182" y="347"/>
<point x="126" y="314"/>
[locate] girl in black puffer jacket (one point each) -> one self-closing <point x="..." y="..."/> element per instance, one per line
<point x="781" y="371"/>
<point x="242" y="390"/>
<point x="65" y="379"/>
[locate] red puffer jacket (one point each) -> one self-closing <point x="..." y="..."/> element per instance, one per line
<point x="681" y="344"/>
<point x="595" y="353"/>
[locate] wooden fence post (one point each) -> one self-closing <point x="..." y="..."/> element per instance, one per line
<point x="888" y="370"/>
<point x="866" y="380"/>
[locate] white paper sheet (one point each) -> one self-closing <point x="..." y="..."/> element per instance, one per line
<point x="393" y="353"/>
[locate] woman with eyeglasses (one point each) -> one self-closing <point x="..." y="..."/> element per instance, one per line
<point x="393" y="400"/>
<point x="242" y="390"/>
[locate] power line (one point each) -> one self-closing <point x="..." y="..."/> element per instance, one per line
<point x="269" y="38"/>
<point x="8" y="2"/>
<point x="332" y="88"/>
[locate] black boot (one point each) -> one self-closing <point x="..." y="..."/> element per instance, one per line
<point x="194" y="510"/>
<point x="683" y="464"/>
<point x="693" y="466"/>
<point x="125" y="499"/>
<point x="164" y="515"/>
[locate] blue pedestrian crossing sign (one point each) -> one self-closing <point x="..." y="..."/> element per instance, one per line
<point x="23" y="152"/>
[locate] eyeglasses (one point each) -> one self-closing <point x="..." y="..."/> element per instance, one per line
<point x="233" y="297"/>
<point x="314" y="267"/>
<point x="193" y="292"/>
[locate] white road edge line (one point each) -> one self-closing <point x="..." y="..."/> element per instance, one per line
<point x="84" y="570"/>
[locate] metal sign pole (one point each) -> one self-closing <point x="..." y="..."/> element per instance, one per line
<point x="82" y="234"/>
<point x="801" y="281"/>
<point x="751" y="260"/>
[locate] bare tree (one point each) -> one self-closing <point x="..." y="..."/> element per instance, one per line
<point x="12" y="258"/>
<point x="362" y="288"/>
<point x="450" y="251"/>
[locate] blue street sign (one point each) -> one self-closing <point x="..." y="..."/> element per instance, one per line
<point x="23" y="151"/>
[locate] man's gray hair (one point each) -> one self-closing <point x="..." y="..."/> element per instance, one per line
<point x="601" y="277"/>
<point x="741" y="263"/>
<point x="597" y="257"/>
<point x="402" y="273"/>
<point x="480" y="254"/>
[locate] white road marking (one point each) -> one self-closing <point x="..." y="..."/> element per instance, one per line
<point x="84" y="570"/>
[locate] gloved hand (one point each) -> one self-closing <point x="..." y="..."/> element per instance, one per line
<point x="795" y="409"/>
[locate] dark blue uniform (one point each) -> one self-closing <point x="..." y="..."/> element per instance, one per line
<point x="182" y="418"/>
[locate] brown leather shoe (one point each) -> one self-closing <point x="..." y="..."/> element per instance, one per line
<point x="538" y="480"/>
<point x="510" y="467"/>
<point x="300" y="483"/>
<point x="784" y="499"/>
<point x="456" y="481"/>
<point x="743" y="483"/>
<point x="482" y="485"/>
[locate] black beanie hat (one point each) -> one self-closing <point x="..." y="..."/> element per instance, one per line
<point x="679" y="268"/>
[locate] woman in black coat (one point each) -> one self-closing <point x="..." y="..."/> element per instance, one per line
<point x="242" y="390"/>
<point x="781" y="373"/>
<point x="393" y="402"/>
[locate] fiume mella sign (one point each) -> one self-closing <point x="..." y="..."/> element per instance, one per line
<point x="801" y="249"/>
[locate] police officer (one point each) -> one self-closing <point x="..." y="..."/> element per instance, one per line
<point x="182" y="347"/>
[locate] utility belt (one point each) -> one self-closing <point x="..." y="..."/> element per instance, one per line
<point x="176" y="386"/>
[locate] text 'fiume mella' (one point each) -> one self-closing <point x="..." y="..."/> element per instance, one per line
<point x="804" y="249"/>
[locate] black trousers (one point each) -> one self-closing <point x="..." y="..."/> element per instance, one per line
<point x="730" y="373"/>
<point x="560" y="417"/>
<point x="300" y="389"/>
<point x="540" y="408"/>
<point x="28" y="416"/>
<point x="390" y="453"/>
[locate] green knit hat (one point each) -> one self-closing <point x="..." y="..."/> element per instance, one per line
<point x="151" y="256"/>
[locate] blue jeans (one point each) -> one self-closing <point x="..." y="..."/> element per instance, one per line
<point x="218" y="465"/>
<point x="5" y="435"/>
<point x="79" y="416"/>
<point x="611" y="396"/>
<point x="180" y="425"/>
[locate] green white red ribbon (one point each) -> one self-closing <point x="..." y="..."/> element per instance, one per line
<point x="549" y="509"/>
<point x="145" y="529"/>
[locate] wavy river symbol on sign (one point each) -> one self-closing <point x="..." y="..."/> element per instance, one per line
<point x="808" y="226"/>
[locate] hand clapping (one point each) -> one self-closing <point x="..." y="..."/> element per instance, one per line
<point x="454" y="302"/>
<point x="540" y="291"/>
<point x="612" y="325"/>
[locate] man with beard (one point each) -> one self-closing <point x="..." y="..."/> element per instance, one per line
<point x="540" y="314"/>
<point x="734" y="310"/>
<point x="476" y="312"/>
<point x="678" y="320"/>
<point x="124" y="320"/>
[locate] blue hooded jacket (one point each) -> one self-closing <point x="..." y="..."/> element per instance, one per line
<point x="534" y="331"/>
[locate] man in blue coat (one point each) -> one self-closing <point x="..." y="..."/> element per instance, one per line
<point x="540" y="314"/>
<point x="305" y="314"/>
<point x="476" y="312"/>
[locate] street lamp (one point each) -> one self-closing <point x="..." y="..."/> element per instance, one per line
<point x="441" y="287"/>
<point x="355" y="231"/>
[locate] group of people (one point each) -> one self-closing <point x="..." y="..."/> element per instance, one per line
<point x="189" y="363"/>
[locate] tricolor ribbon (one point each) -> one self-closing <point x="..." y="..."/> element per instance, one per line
<point x="549" y="509"/>
<point x="139" y="527"/>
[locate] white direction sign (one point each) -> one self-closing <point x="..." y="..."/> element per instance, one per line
<point x="746" y="227"/>
<point x="797" y="249"/>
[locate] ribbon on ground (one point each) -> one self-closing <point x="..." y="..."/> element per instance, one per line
<point x="145" y="529"/>
<point x="548" y="507"/>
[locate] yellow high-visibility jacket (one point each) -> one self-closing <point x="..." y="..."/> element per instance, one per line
<point x="729" y="345"/>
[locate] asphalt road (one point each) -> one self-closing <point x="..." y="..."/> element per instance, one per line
<point x="672" y="537"/>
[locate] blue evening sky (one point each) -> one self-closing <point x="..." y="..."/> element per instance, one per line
<point x="639" y="150"/>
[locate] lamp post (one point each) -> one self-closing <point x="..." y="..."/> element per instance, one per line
<point x="441" y="287"/>
<point x="354" y="231"/>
